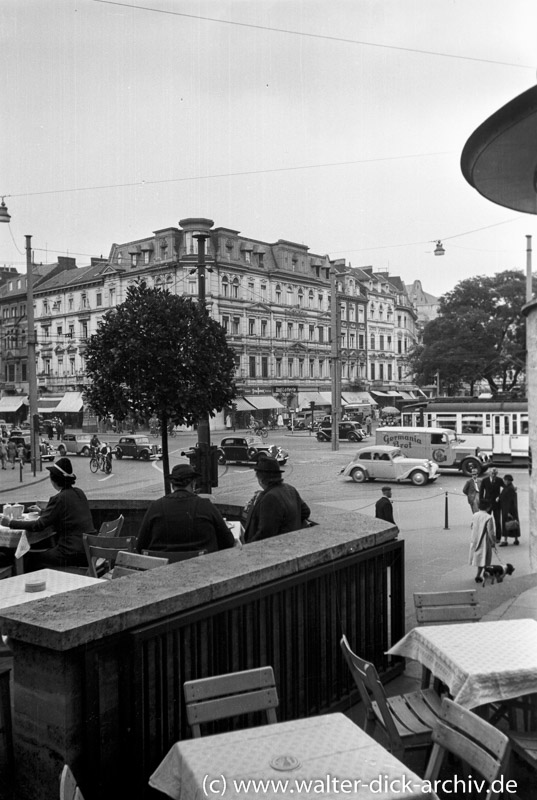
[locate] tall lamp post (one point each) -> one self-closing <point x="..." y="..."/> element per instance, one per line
<point x="204" y="432"/>
<point x="30" y="336"/>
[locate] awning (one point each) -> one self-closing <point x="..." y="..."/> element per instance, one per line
<point x="358" y="399"/>
<point x="242" y="404"/>
<point x="46" y="406"/>
<point x="305" y="398"/>
<point x="394" y="394"/>
<point x="264" y="401"/>
<point x="70" y="403"/>
<point x="407" y="396"/>
<point x="9" y="405"/>
<point x="379" y="394"/>
<point x="327" y="396"/>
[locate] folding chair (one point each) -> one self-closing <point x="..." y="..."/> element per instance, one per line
<point x="134" y="564"/>
<point x="174" y="556"/>
<point x="112" y="527"/>
<point x="233" y="694"/>
<point x="407" y="720"/>
<point x="107" y="547"/>
<point x="476" y="742"/>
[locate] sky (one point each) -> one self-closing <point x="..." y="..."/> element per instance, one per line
<point x="338" y="124"/>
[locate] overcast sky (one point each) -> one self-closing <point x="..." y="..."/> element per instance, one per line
<point x="334" y="123"/>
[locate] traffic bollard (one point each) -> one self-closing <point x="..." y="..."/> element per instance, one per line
<point x="446" y="514"/>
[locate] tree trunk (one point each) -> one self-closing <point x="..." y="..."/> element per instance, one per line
<point x="165" y="452"/>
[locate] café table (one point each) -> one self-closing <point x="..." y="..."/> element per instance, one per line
<point x="10" y="537"/>
<point x="13" y="590"/>
<point x="330" y="752"/>
<point x="480" y="663"/>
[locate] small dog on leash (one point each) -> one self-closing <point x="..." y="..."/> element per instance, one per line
<point x="497" y="572"/>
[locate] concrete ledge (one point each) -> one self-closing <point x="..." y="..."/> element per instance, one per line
<point x="69" y="620"/>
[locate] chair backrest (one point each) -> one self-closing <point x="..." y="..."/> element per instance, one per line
<point x="112" y="527"/>
<point x="371" y="691"/>
<point x="230" y="695"/>
<point x="134" y="563"/>
<point x="68" y="786"/>
<point x="174" y="556"/>
<point x="107" y="547"/>
<point x="459" y="606"/>
<point x="474" y="740"/>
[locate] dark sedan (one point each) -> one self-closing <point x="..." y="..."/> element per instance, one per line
<point x="246" y="449"/>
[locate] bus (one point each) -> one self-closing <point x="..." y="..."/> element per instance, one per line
<point x="499" y="428"/>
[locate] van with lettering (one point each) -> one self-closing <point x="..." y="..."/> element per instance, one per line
<point x="440" y="445"/>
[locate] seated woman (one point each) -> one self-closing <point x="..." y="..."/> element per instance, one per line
<point x="68" y="514"/>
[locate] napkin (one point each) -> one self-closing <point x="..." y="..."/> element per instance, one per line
<point x="23" y="546"/>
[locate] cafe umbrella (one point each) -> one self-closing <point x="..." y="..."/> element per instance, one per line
<point x="390" y="411"/>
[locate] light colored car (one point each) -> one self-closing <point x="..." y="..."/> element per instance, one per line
<point x="75" y="443"/>
<point x="387" y="463"/>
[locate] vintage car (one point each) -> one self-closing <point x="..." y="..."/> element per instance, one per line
<point x="352" y="431"/>
<point x="46" y="451"/>
<point x="75" y="443"/>
<point x="389" y="464"/>
<point x="246" y="449"/>
<point x="138" y="446"/>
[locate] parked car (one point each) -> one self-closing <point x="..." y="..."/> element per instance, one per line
<point x="75" y="443"/>
<point x="47" y="452"/>
<point x="389" y="464"/>
<point x="352" y="431"/>
<point x="246" y="449"/>
<point x="137" y="446"/>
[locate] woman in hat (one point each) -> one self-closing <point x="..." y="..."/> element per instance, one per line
<point x="277" y="508"/>
<point x="68" y="514"/>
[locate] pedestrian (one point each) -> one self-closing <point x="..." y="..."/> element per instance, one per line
<point x="509" y="512"/>
<point x="277" y="508"/>
<point x="490" y="490"/>
<point x="182" y="521"/>
<point x="471" y="490"/>
<point x="483" y="539"/>
<point x="384" y="507"/>
<point x="3" y="453"/>
<point x="368" y="424"/>
<point x="68" y="515"/>
<point x="60" y="429"/>
<point x="11" y="453"/>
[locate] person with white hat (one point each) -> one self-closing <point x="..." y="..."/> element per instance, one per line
<point x="277" y="508"/>
<point x="182" y="520"/>
<point x="68" y="515"/>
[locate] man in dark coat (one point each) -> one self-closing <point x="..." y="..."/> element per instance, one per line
<point x="489" y="491"/>
<point x="277" y="508"/>
<point x="384" y="507"/>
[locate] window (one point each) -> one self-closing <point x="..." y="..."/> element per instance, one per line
<point x="225" y="287"/>
<point x="46" y="366"/>
<point x="263" y="327"/>
<point x="300" y="298"/>
<point x="235" y="327"/>
<point x="320" y="332"/>
<point x="361" y="343"/>
<point x="311" y="298"/>
<point x="289" y="330"/>
<point x="290" y="295"/>
<point x="24" y="373"/>
<point x="320" y="301"/>
<point x="260" y="259"/>
<point x="352" y="313"/>
<point x="278" y="329"/>
<point x="248" y="256"/>
<point x="301" y="331"/>
<point x="134" y="259"/>
<point x="46" y="332"/>
<point x="352" y="341"/>
<point x="59" y="330"/>
<point x="311" y="368"/>
<point x="399" y="345"/>
<point x="235" y="288"/>
<point x="146" y="256"/>
<point x="99" y="299"/>
<point x="84" y="330"/>
<point x="321" y="368"/>
<point x="250" y="290"/>
<point x="251" y="366"/>
<point x="71" y="333"/>
<point x="372" y="370"/>
<point x="278" y="368"/>
<point x="263" y="289"/>
<point x="381" y="372"/>
<point x="112" y="295"/>
<point x="311" y="333"/>
<point x="278" y="293"/>
<point x="343" y="311"/>
<point x="300" y="367"/>
<point x="251" y="327"/>
<point x="372" y="342"/>
<point x="389" y="342"/>
<point x="264" y="366"/>
<point x="399" y="320"/>
<point x="290" y="367"/>
<point x="389" y="372"/>
<point x="72" y="367"/>
<point x="381" y="342"/>
<point x="225" y="323"/>
<point x="192" y="287"/>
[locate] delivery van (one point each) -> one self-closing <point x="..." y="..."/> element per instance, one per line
<point x="440" y="445"/>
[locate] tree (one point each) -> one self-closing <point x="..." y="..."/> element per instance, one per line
<point x="159" y="354"/>
<point x="479" y="334"/>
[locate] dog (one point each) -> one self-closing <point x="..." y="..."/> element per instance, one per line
<point x="497" y="572"/>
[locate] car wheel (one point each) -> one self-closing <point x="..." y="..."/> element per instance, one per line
<point x="353" y="438"/>
<point x="144" y="455"/>
<point x="469" y="465"/>
<point x="419" y="478"/>
<point x="85" y="452"/>
<point x="221" y="457"/>
<point x="119" y="454"/>
<point x="252" y="454"/>
<point x="61" y="450"/>
<point x="358" y="475"/>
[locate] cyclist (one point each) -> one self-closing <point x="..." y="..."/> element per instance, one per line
<point x="95" y="443"/>
<point x="106" y="451"/>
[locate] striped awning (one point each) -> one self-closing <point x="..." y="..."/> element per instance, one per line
<point x="70" y="403"/>
<point x="358" y="399"/>
<point x="263" y="401"/>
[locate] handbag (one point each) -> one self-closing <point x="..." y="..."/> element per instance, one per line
<point x="512" y="526"/>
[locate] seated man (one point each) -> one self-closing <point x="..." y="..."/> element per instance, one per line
<point x="183" y="521"/>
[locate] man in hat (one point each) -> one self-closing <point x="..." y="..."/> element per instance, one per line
<point x="183" y="521"/>
<point x="383" y="506"/>
<point x="277" y="508"/>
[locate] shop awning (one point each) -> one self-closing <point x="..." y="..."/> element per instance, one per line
<point x="10" y="405"/>
<point x="379" y="394"/>
<point x="47" y="405"/>
<point x="305" y="398"/>
<point x="70" y="403"/>
<point x="394" y="394"/>
<point x="407" y="396"/>
<point x="242" y="404"/>
<point x="327" y="397"/>
<point x="358" y="399"/>
<point x="263" y="401"/>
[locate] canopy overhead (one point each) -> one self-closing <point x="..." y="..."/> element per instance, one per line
<point x="241" y="404"/>
<point x="311" y="397"/>
<point x="379" y="394"/>
<point x="358" y="399"/>
<point x="10" y="405"/>
<point x="71" y="403"/>
<point x="46" y="405"/>
<point x="263" y="401"/>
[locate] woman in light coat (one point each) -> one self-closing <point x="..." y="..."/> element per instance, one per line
<point x="483" y="539"/>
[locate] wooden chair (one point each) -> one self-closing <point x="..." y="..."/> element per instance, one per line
<point x="174" y="556"/>
<point x="5" y="572"/>
<point x="444" y="607"/>
<point x="107" y="547"/>
<point x="407" y="720"/>
<point x="524" y="744"/>
<point x="463" y="734"/>
<point x="112" y="527"/>
<point x="230" y="695"/>
<point x="6" y="730"/>
<point x="134" y="564"/>
<point x="68" y="786"/>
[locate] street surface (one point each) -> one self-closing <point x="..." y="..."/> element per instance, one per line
<point x="436" y="557"/>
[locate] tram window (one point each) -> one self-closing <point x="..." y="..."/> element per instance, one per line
<point x="447" y="421"/>
<point x="470" y="423"/>
<point x="501" y="425"/>
<point x="487" y="422"/>
<point x="524" y="426"/>
<point x="514" y="424"/>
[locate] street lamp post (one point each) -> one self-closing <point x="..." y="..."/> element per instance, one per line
<point x="204" y="432"/>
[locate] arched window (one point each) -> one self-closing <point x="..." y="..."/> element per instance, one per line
<point x="225" y="286"/>
<point x="235" y="288"/>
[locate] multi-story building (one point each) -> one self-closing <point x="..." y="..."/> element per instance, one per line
<point x="273" y="300"/>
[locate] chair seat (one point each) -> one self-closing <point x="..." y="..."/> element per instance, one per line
<point x="414" y="714"/>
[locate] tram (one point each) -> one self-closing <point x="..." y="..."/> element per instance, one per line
<point x="499" y="428"/>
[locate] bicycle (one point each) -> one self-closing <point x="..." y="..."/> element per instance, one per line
<point x="262" y="432"/>
<point x="101" y="461"/>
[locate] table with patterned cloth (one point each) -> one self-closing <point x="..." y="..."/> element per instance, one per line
<point x="316" y="757"/>
<point x="10" y="537"/>
<point x="13" y="591"/>
<point x="483" y="662"/>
